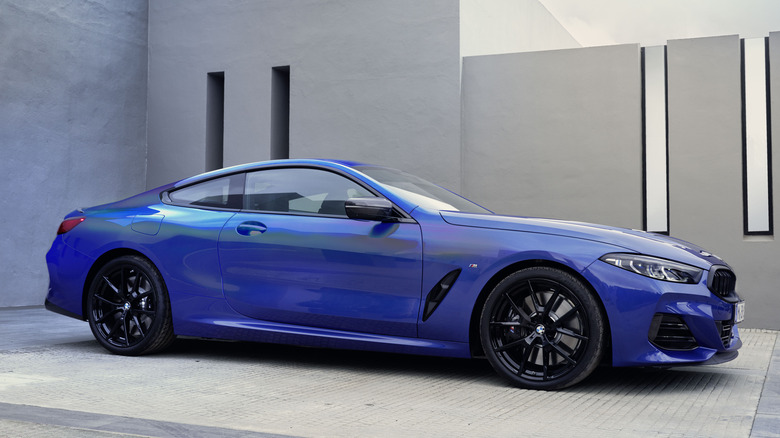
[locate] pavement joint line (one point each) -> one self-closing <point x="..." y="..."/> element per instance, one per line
<point x="116" y="424"/>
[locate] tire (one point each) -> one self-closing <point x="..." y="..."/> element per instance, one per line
<point x="542" y="328"/>
<point x="128" y="308"/>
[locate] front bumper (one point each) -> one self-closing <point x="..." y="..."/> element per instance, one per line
<point x="662" y="323"/>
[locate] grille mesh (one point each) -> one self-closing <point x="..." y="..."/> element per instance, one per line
<point x="723" y="282"/>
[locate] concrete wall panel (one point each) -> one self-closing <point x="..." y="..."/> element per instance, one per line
<point x="705" y="166"/>
<point x="705" y="138"/>
<point x="555" y="134"/>
<point x="72" y="123"/>
<point x="755" y="257"/>
<point x="373" y="81"/>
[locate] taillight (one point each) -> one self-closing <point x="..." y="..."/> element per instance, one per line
<point x="69" y="224"/>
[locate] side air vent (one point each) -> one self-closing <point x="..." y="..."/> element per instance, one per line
<point x="437" y="294"/>
<point x="670" y="332"/>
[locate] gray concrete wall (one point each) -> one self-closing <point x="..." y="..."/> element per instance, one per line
<point x="373" y="80"/>
<point x="555" y="134"/>
<point x="705" y="165"/>
<point x="72" y="123"/>
<point x="705" y="140"/>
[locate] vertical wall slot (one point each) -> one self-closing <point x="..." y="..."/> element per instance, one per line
<point x="215" y="120"/>
<point x="280" y="112"/>
<point x="654" y="108"/>
<point x="756" y="139"/>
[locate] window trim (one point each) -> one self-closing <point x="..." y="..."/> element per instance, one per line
<point x="165" y="196"/>
<point x="404" y="217"/>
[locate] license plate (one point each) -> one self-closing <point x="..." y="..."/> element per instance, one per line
<point x="739" y="312"/>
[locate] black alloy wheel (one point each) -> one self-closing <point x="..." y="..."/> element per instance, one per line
<point x="542" y="328"/>
<point x="128" y="308"/>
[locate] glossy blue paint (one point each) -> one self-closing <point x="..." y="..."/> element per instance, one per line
<point x="327" y="280"/>
<point x="325" y="272"/>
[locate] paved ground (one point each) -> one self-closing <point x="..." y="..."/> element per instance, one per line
<point x="56" y="381"/>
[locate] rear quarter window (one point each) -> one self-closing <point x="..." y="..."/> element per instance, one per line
<point x="225" y="192"/>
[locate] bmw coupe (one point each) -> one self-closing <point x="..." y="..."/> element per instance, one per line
<point x="348" y="255"/>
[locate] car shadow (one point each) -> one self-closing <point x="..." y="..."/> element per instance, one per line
<point x="326" y="358"/>
<point x="605" y="380"/>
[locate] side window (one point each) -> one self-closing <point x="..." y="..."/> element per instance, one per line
<point x="222" y="192"/>
<point x="311" y="191"/>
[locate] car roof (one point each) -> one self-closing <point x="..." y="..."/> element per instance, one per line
<point x="333" y="164"/>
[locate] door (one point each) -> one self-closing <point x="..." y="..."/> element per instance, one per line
<point x="294" y="257"/>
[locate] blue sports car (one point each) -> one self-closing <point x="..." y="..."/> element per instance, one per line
<point x="347" y="255"/>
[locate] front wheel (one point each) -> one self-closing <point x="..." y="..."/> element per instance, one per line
<point x="541" y="328"/>
<point x="128" y="308"/>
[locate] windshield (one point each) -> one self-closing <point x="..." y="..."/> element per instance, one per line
<point x="420" y="191"/>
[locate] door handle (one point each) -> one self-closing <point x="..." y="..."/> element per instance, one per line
<point x="251" y="228"/>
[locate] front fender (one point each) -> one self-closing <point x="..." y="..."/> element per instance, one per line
<point x="484" y="254"/>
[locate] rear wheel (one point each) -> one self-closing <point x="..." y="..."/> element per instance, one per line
<point x="128" y="308"/>
<point x="541" y="328"/>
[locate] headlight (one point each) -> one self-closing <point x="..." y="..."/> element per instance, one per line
<point x="653" y="267"/>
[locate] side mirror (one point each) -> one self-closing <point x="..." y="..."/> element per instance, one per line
<point x="372" y="209"/>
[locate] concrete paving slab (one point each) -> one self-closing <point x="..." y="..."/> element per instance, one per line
<point x="37" y="421"/>
<point x="767" y="422"/>
<point x="22" y="327"/>
<point x="267" y="389"/>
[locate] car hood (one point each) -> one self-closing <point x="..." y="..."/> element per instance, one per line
<point x="631" y="240"/>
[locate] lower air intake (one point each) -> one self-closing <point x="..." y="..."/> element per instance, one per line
<point x="726" y="329"/>
<point x="669" y="332"/>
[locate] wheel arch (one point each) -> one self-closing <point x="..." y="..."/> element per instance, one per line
<point x="99" y="263"/>
<point x="474" y="341"/>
